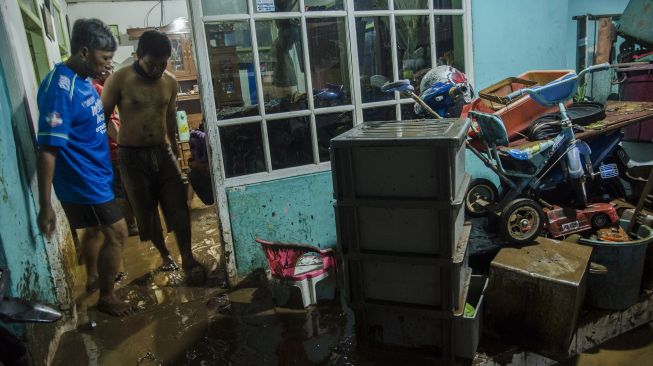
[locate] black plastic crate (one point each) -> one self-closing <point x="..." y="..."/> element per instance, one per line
<point x="400" y="226"/>
<point x="445" y="334"/>
<point x="414" y="281"/>
<point x="420" y="159"/>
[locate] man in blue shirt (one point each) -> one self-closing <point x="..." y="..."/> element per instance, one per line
<point x="74" y="157"/>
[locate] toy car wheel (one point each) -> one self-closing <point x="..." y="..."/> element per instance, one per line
<point x="580" y="194"/>
<point x="521" y="221"/>
<point x="481" y="194"/>
<point x="600" y="220"/>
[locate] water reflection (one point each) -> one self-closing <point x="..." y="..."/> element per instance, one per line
<point x="257" y="333"/>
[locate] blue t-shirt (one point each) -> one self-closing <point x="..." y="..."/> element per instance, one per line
<point x="71" y="118"/>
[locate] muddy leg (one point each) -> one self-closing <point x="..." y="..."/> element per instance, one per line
<point x="127" y="211"/>
<point x="195" y="272"/>
<point x="160" y="244"/>
<point x="90" y="243"/>
<point x="109" y="261"/>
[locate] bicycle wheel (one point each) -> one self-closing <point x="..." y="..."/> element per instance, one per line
<point x="522" y="220"/>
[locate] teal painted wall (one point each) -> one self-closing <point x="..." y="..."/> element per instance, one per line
<point x="21" y="244"/>
<point x="295" y="210"/>
<point x="513" y="36"/>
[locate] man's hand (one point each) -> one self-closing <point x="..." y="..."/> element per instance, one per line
<point x="47" y="220"/>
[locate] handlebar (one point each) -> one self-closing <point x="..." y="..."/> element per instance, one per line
<point x="518" y="93"/>
<point x="599" y="67"/>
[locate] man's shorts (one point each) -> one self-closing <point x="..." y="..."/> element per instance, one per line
<point x="151" y="176"/>
<point x="117" y="181"/>
<point x="94" y="215"/>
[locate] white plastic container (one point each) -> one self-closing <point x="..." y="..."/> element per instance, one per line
<point x="182" y="126"/>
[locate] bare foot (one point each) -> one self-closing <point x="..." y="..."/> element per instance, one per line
<point x="92" y="284"/>
<point x="121" y="276"/>
<point x="132" y="230"/>
<point x="195" y="273"/>
<point x="114" y="306"/>
<point x="168" y="265"/>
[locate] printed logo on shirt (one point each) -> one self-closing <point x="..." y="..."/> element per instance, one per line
<point x="64" y="82"/>
<point x="54" y="119"/>
<point x="88" y="102"/>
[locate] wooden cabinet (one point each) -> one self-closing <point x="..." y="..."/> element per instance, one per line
<point x="181" y="62"/>
<point x="226" y="78"/>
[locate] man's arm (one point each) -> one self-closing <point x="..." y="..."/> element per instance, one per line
<point x="46" y="219"/>
<point x="110" y="98"/>
<point x="171" y="119"/>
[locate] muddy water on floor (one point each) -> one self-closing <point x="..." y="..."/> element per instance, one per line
<point x="181" y="325"/>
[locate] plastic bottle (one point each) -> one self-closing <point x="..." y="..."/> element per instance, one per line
<point x="182" y="126"/>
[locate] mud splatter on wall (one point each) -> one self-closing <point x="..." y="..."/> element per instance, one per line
<point x="21" y="244"/>
<point x="294" y="210"/>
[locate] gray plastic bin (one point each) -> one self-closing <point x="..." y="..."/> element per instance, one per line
<point x="416" y="280"/>
<point x="417" y="227"/>
<point x="421" y="159"/>
<point x="445" y="333"/>
<point x="467" y="329"/>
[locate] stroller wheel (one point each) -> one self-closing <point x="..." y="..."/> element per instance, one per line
<point x="521" y="221"/>
<point x="481" y="194"/>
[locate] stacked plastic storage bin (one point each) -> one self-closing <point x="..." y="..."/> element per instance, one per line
<point x="399" y="189"/>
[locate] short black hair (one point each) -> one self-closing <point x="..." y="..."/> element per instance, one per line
<point x="153" y="43"/>
<point x="92" y="34"/>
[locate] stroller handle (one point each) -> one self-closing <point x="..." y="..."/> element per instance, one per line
<point x="518" y="93"/>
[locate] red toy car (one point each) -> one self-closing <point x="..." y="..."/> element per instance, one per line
<point x="564" y="221"/>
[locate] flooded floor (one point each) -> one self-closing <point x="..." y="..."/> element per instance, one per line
<point x="181" y="325"/>
<point x="211" y="325"/>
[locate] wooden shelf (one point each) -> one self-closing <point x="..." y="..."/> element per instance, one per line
<point x="186" y="78"/>
<point x="181" y="98"/>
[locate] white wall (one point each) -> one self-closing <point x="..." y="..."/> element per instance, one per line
<point x="128" y="14"/>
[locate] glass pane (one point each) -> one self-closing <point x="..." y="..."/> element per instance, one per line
<point x="449" y="42"/>
<point x="370" y="4"/>
<point x="275" y="6"/>
<point x="321" y="5"/>
<point x="220" y="7"/>
<point x="29" y="5"/>
<point x="176" y="63"/>
<point x="379" y="114"/>
<point x="373" y="35"/>
<point x="327" y="45"/>
<point x="329" y="126"/>
<point x="282" y="65"/>
<point x="290" y="142"/>
<point x="232" y="69"/>
<point x="242" y="149"/>
<point x="408" y="112"/>
<point x="447" y="4"/>
<point x="413" y="46"/>
<point x="411" y="4"/>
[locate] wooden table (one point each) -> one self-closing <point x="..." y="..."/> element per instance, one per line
<point x="618" y="115"/>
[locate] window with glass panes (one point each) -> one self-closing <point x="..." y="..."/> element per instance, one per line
<point x="289" y="75"/>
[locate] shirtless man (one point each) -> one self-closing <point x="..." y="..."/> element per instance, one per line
<point x="146" y="95"/>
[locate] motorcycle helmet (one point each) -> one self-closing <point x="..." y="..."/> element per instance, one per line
<point x="446" y="90"/>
